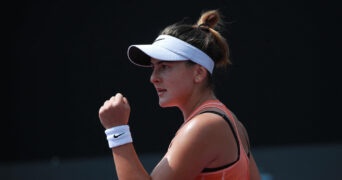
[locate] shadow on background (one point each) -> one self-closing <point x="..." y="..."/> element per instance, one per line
<point x="314" y="162"/>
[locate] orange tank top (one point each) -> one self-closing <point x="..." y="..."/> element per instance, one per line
<point x="238" y="170"/>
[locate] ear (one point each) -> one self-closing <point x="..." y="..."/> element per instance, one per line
<point x="200" y="73"/>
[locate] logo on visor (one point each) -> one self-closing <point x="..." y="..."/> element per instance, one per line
<point x="158" y="39"/>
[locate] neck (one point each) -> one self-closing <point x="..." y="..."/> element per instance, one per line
<point x="195" y="101"/>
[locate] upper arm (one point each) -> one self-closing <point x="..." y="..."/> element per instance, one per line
<point x="194" y="147"/>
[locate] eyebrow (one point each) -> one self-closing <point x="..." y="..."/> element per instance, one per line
<point x="159" y="62"/>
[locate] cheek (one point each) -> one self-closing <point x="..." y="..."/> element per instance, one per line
<point x="181" y="85"/>
<point x="179" y="79"/>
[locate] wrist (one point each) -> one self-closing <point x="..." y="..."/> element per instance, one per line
<point x="118" y="135"/>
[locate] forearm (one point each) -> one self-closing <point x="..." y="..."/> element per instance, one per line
<point x="127" y="164"/>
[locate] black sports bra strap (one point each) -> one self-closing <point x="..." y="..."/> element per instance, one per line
<point x="224" y="116"/>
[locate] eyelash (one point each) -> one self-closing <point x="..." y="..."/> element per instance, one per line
<point x="164" y="66"/>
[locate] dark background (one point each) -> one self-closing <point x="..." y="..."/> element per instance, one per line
<point x="67" y="57"/>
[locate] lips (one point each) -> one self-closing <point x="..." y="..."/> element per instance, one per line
<point x="160" y="91"/>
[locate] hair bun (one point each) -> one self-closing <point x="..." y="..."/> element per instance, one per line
<point x="209" y="18"/>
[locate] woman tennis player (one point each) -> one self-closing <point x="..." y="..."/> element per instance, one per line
<point x="211" y="143"/>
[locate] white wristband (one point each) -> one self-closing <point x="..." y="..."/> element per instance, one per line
<point x="118" y="135"/>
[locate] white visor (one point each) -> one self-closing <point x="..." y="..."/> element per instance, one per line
<point x="168" y="48"/>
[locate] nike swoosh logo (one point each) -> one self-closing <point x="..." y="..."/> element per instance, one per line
<point x="159" y="39"/>
<point x="118" y="135"/>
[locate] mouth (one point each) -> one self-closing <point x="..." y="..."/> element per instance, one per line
<point x="160" y="91"/>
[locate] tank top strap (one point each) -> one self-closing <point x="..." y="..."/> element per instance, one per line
<point x="219" y="105"/>
<point x="214" y="104"/>
<point x="207" y="104"/>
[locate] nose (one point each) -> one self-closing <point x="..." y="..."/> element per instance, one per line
<point x="154" y="77"/>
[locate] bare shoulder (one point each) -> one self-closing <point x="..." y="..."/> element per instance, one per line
<point x="205" y="129"/>
<point x="207" y="124"/>
<point x="202" y="130"/>
<point x="194" y="147"/>
<point x="209" y="132"/>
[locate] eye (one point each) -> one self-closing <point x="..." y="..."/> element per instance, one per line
<point x="164" y="66"/>
<point x="161" y="66"/>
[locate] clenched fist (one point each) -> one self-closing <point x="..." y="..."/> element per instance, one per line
<point x="115" y="111"/>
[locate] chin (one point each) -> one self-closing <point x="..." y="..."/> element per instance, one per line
<point x="165" y="104"/>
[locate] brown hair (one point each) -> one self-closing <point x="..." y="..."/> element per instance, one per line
<point x="204" y="35"/>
